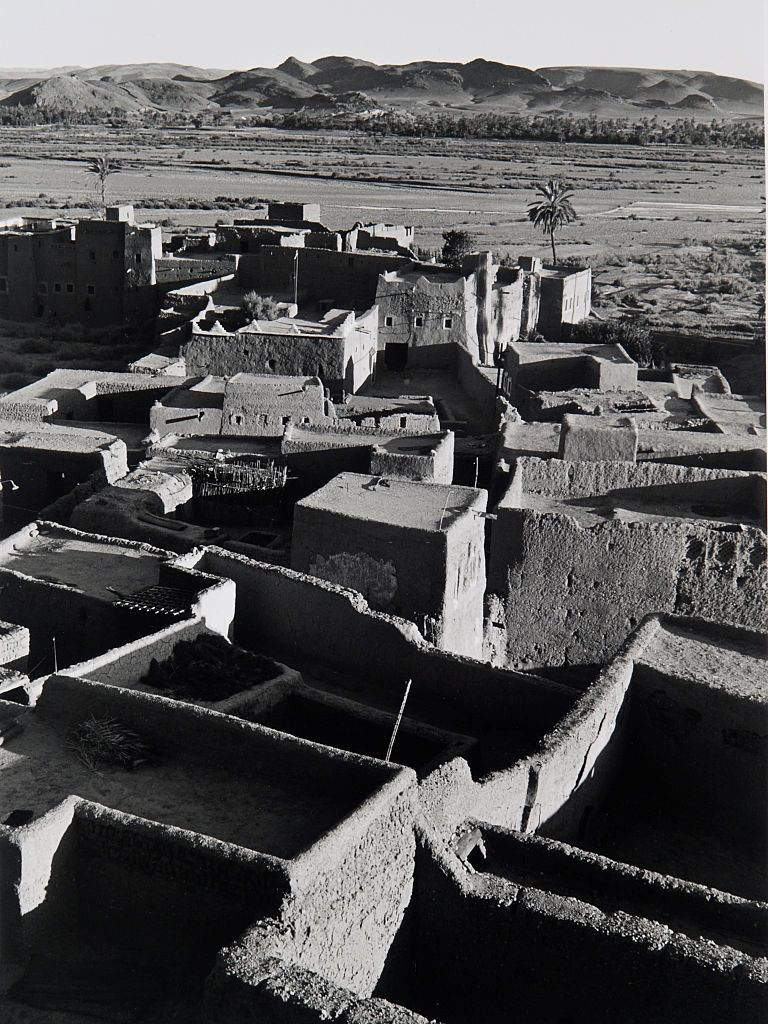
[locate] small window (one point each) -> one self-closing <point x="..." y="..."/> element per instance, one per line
<point x="92" y="255"/>
<point x="91" y="289"/>
<point x="138" y="257"/>
<point x="42" y="287"/>
<point x="57" y="286"/>
<point x="389" y="321"/>
<point x="447" y="323"/>
<point x="286" y="420"/>
<point x="70" y="287"/>
<point x="418" y="321"/>
<point x="3" y="284"/>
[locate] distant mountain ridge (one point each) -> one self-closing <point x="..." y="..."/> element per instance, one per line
<point x="479" y="86"/>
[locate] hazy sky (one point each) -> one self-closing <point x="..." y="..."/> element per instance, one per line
<point x="726" y="36"/>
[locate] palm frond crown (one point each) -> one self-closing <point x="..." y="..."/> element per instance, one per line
<point x="553" y="210"/>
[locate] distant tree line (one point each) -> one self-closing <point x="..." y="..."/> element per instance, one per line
<point x="538" y="127"/>
<point x="747" y="134"/>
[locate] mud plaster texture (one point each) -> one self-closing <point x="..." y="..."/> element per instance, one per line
<point x="579" y="556"/>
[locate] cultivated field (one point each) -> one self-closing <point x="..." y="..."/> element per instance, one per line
<point x="674" y="233"/>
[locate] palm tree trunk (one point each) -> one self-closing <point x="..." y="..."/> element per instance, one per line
<point x="552" y="240"/>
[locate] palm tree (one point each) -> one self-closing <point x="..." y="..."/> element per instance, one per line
<point x="102" y="167"/>
<point x="553" y="210"/>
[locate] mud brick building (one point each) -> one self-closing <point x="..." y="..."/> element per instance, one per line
<point x="96" y="272"/>
<point x="413" y="549"/>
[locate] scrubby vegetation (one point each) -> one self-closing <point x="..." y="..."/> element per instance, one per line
<point x="260" y="307"/>
<point x="103" y="742"/>
<point x="645" y="131"/>
<point x="457" y="245"/>
<point x="633" y="335"/>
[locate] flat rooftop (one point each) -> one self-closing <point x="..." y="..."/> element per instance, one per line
<point x="390" y="403"/>
<point x="275" y="384"/>
<point x="451" y="401"/>
<point x="208" y="393"/>
<point x="434" y="274"/>
<point x="735" y="414"/>
<point x="407" y="504"/>
<point x="51" y="437"/>
<point x="104" y="381"/>
<point x="534" y="352"/>
<point x="273" y="812"/>
<point x="235" y="445"/>
<point x="330" y="324"/>
<point x="392" y="441"/>
<point x="736" y="663"/>
<point x="81" y="562"/>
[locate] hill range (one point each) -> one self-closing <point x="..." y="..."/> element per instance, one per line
<point x="479" y="86"/>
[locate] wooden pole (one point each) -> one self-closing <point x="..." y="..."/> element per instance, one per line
<point x="399" y="720"/>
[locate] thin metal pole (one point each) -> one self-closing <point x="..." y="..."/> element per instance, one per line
<point x="399" y="720"/>
<point x="55" y="657"/>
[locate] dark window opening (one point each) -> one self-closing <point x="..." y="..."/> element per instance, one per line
<point x="418" y="321"/>
<point x="91" y="289"/>
<point x="389" y="321"/>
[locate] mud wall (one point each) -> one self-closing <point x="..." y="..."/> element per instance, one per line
<point x="570" y="593"/>
<point x="83" y="625"/>
<point x="485" y="945"/>
<point x="307" y="618"/>
<point x="126" y="665"/>
<point x="268" y="989"/>
<point x="349" y="278"/>
<point x="712" y="742"/>
<point x="224" y="355"/>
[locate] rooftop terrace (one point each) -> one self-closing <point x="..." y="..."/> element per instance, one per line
<point x="91" y="565"/>
<point x="407" y="504"/>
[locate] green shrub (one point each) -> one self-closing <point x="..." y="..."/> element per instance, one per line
<point x="260" y="307"/>
<point x="633" y="335"/>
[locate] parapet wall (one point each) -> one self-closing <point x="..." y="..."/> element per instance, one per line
<point x="126" y="665"/>
<point x="305" y="617"/>
<point x="569" y="592"/>
<point x="557" y="952"/>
